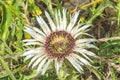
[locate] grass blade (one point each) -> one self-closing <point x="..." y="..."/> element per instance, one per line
<point x="7" y="68"/>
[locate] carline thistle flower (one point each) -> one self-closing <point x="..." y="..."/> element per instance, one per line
<point x="57" y="41"/>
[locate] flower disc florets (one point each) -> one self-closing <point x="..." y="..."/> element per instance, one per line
<point x="59" y="44"/>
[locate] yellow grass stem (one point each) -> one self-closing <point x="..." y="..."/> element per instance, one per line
<point x="86" y="5"/>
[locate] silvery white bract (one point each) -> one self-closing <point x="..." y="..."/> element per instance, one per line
<point x="58" y="40"/>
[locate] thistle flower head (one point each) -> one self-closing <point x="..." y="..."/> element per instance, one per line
<point x="58" y="40"/>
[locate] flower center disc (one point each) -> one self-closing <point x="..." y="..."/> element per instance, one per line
<point x="59" y="44"/>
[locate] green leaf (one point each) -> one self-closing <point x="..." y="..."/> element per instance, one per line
<point x="6" y="21"/>
<point x="98" y="11"/>
<point x="118" y="13"/>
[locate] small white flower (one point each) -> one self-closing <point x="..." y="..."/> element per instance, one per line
<point x="57" y="41"/>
